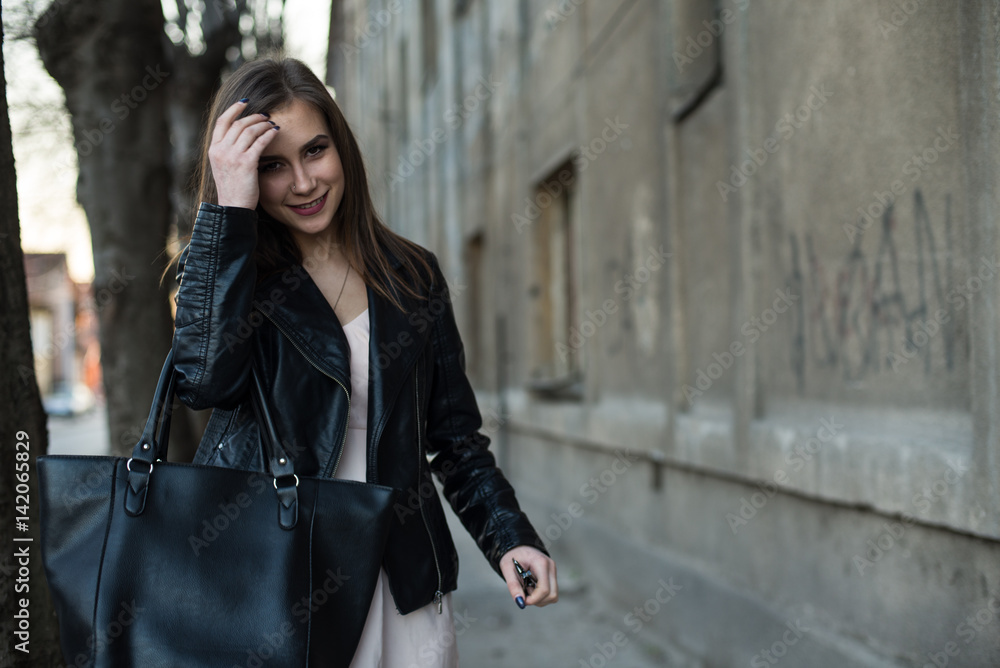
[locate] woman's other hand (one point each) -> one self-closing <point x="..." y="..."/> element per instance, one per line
<point x="540" y="565"/>
<point x="234" y="154"/>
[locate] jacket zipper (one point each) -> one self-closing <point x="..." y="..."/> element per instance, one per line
<point x="438" y="595"/>
<point x="309" y="359"/>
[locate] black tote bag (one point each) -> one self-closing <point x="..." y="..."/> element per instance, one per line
<point x="158" y="564"/>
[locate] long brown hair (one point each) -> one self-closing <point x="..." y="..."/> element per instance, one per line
<point x="367" y="242"/>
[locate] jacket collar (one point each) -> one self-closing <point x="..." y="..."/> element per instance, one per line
<point x="294" y="302"/>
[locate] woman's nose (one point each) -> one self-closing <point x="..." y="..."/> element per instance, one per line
<point x="302" y="182"/>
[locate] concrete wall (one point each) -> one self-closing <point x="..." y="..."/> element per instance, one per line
<point x="807" y="386"/>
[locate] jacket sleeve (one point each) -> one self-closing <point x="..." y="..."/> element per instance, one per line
<point x="475" y="487"/>
<point x="216" y="276"/>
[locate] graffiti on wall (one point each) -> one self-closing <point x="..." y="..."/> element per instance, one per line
<point x="873" y="312"/>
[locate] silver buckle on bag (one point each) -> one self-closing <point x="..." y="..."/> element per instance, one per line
<point x="275" y="480"/>
<point x="128" y="465"/>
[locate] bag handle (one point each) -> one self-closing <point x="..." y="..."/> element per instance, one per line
<point x="154" y="442"/>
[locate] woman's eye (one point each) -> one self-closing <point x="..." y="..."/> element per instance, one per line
<point x="269" y="167"/>
<point x="315" y="150"/>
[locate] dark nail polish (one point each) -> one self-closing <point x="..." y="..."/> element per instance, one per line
<point x="265" y="114"/>
<point x="276" y="127"/>
<point x="520" y="602"/>
<point x="272" y="123"/>
<point x="245" y="100"/>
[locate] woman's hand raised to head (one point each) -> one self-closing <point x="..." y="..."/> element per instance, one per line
<point x="540" y="565"/>
<point x="234" y="153"/>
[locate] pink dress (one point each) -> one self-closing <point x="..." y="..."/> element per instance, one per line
<point x="423" y="638"/>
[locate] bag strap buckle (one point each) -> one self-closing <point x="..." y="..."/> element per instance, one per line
<point x="152" y="446"/>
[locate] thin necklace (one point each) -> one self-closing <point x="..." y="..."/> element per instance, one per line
<point x="346" y="273"/>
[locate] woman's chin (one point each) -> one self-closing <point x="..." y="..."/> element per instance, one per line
<point x="308" y="227"/>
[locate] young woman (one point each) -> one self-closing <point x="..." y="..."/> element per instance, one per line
<point x="352" y="329"/>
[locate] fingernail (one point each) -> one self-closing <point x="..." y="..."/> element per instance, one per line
<point x="245" y="100"/>
<point x="265" y="114"/>
<point x="272" y="123"/>
<point x="520" y="602"/>
<point x="276" y="127"/>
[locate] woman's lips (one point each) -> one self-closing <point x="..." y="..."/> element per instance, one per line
<point x="310" y="208"/>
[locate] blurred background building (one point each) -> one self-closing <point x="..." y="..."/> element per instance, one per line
<point x="727" y="278"/>
<point x="64" y="335"/>
<point x="727" y="273"/>
<point x="52" y="300"/>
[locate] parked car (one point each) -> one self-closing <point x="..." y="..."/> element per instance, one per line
<point x="69" y="400"/>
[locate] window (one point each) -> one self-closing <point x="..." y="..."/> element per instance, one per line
<point x="558" y="345"/>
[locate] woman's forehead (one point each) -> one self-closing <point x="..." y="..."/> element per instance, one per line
<point x="298" y="114"/>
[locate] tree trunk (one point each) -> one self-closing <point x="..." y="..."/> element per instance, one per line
<point x="109" y="57"/>
<point x="22" y="420"/>
<point x="189" y="100"/>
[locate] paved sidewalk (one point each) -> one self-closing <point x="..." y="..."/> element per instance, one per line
<point x="82" y="435"/>
<point x="492" y="632"/>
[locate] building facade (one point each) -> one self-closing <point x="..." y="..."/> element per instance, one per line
<point x="727" y="276"/>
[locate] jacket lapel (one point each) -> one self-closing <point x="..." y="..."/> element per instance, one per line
<point x="298" y="308"/>
<point x="302" y="313"/>
<point x="397" y="339"/>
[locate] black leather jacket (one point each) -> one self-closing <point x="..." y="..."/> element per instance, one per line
<point x="422" y="413"/>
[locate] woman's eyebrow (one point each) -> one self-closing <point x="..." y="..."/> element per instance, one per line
<point x="309" y="144"/>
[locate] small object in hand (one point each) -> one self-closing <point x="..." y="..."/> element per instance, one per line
<point x="528" y="580"/>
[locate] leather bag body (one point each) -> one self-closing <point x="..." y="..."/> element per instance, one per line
<point x="160" y="564"/>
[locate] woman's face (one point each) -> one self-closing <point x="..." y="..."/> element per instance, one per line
<point x="300" y="175"/>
